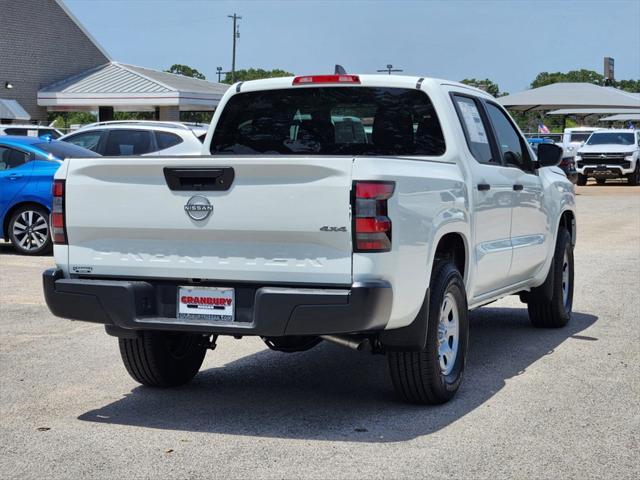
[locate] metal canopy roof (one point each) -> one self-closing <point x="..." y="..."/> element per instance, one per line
<point x="622" y="117"/>
<point x="591" y="111"/>
<point x="568" y="96"/>
<point x="12" y="110"/>
<point x="128" y="86"/>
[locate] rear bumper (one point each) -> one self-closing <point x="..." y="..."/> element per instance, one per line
<point x="270" y="311"/>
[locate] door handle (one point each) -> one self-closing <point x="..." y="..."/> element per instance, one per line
<point x="483" y="187"/>
<point x="517" y="187"/>
<point x="202" y="179"/>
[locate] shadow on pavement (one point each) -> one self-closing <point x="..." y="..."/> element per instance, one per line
<point x="331" y="393"/>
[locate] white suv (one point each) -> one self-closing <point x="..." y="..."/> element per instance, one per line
<point x="27" y="130"/>
<point x="130" y="137"/>
<point x="610" y="154"/>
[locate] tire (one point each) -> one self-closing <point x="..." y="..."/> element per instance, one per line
<point x="634" y="178"/>
<point x="426" y="377"/>
<point x="582" y="180"/>
<point x="29" y="231"/>
<point x="601" y="181"/>
<point x="163" y="359"/>
<point x="557" y="312"/>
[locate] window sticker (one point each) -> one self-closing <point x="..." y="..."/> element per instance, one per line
<point x="472" y="120"/>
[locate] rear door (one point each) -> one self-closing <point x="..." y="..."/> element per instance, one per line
<point x="15" y="174"/>
<point x="172" y="218"/>
<point x="530" y="229"/>
<point x="493" y="198"/>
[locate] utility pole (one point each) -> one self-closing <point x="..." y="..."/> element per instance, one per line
<point x="390" y="69"/>
<point x="236" y="35"/>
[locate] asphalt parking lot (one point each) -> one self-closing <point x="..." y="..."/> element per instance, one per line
<point x="534" y="404"/>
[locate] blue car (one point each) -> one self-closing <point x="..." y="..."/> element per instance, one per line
<point x="27" y="166"/>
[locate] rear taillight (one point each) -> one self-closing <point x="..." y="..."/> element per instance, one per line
<point x="58" y="227"/>
<point x="371" y="224"/>
<point x="310" y="79"/>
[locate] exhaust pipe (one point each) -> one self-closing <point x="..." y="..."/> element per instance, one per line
<point x="352" y="342"/>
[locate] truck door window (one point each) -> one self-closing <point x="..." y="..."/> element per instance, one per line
<point x="475" y="129"/>
<point x="329" y="121"/>
<point x="511" y="145"/>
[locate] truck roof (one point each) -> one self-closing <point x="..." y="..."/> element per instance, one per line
<point x="366" y="80"/>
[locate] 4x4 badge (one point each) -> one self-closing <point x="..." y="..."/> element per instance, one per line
<point x="333" y="229"/>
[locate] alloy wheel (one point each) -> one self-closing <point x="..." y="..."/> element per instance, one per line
<point x="30" y="230"/>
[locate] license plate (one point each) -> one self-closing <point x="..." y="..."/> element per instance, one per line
<point x="208" y="304"/>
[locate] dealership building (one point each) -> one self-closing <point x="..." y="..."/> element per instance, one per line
<point x="50" y="63"/>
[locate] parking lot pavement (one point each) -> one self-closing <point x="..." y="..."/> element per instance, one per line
<point x="534" y="404"/>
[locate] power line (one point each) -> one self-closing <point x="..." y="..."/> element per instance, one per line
<point x="390" y="69"/>
<point x="236" y="35"/>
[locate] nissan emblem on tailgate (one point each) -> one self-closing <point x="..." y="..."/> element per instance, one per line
<point x="198" y="208"/>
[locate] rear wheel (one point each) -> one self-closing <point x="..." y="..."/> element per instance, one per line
<point x="582" y="180"/>
<point x="163" y="359"/>
<point x="433" y="374"/>
<point x="555" y="313"/>
<point x="601" y="181"/>
<point x="29" y="230"/>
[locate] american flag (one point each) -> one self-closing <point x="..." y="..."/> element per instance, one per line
<point x="542" y="128"/>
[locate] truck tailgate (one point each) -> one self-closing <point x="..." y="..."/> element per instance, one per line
<point x="122" y="219"/>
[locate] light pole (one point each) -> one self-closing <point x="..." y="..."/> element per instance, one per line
<point x="390" y="69"/>
<point x="236" y="35"/>
<point x="219" y="72"/>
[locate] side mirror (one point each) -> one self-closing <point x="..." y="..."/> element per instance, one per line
<point x="549" y="155"/>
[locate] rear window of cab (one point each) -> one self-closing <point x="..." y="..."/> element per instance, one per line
<point x="329" y="121"/>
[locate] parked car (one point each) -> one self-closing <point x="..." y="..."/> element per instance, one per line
<point x="293" y="233"/>
<point x="27" y="166"/>
<point x="573" y="138"/>
<point x="567" y="164"/>
<point x="29" y="130"/>
<point x="611" y="153"/>
<point x="129" y="137"/>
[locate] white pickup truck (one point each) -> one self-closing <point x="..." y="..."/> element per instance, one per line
<point x="370" y="211"/>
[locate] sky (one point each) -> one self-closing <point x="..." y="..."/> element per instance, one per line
<point x="509" y="42"/>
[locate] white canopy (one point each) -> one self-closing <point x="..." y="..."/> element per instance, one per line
<point x="622" y="117"/>
<point x="591" y="111"/>
<point x="569" y="96"/>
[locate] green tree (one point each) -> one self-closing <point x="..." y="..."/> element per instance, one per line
<point x="578" y="76"/>
<point x="185" y="70"/>
<point x="628" y="85"/>
<point x="486" y="85"/>
<point x="134" y="116"/>
<point x="66" y="119"/>
<point x="256" y="74"/>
